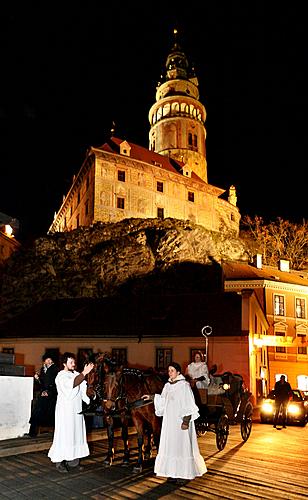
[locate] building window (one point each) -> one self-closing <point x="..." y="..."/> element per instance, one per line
<point x="195" y="141"/>
<point x="121" y="175"/>
<point x="120" y="203"/>
<point x="160" y="213"/>
<point x="78" y="198"/>
<point x="191" y="196"/>
<point x="160" y="186"/>
<point x="278" y="348"/>
<point x="163" y="358"/>
<point x="302" y="350"/>
<point x="71" y="211"/>
<point x="279" y="305"/>
<point x="87" y="183"/>
<point x="87" y="207"/>
<point x="300" y="308"/>
<point x="190" y="140"/>
<point x="77" y="221"/>
<point x="119" y="356"/>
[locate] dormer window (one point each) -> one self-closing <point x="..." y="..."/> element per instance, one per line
<point x="125" y="148"/>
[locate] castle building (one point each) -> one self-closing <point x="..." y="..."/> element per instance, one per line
<point x="122" y="180"/>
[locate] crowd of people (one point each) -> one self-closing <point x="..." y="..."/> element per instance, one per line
<point x="61" y="394"/>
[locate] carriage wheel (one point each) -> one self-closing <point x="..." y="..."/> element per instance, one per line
<point x="246" y="422"/>
<point x="222" y="432"/>
<point x="201" y="427"/>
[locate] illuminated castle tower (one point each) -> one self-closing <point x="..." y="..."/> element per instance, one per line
<point x="177" y="118"/>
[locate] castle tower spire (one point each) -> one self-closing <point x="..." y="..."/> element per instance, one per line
<point x="177" y="117"/>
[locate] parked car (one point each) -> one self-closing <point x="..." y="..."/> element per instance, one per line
<point x="297" y="411"/>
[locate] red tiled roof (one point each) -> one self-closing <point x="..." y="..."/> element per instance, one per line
<point x="142" y="154"/>
<point x="240" y="271"/>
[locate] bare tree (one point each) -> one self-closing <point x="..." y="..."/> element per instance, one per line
<point x="279" y="239"/>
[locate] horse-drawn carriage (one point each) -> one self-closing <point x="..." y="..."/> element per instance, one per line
<point x="119" y="391"/>
<point x="225" y="402"/>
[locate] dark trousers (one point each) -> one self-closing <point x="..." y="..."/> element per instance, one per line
<point x="43" y="413"/>
<point x="281" y="406"/>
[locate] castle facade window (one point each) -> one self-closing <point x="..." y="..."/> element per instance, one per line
<point x="191" y="196"/>
<point x="120" y="203"/>
<point x="160" y="186"/>
<point x="160" y="213"/>
<point x="121" y="175"/>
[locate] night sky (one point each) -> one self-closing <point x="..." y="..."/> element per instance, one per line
<point x="69" y="69"/>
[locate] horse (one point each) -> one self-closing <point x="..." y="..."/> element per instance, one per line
<point x="123" y="391"/>
<point x="101" y="391"/>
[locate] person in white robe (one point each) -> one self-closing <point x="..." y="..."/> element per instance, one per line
<point x="198" y="372"/>
<point x="70" y="439"/>
<point x="178" y="456"/>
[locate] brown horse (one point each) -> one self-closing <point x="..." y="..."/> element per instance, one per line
<point x="119" y="391"/>
<point x="123" y="391"/>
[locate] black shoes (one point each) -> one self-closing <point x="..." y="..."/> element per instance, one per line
<point x="62" y="467"/>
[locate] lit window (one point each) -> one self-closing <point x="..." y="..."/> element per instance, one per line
<point x="279" y="305"/>
<point x="300" y="308"/>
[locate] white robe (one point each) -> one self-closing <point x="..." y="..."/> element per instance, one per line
<point x="178" y="455"/>
<point x="70" y="439"/>
<point x="196" y="370"/>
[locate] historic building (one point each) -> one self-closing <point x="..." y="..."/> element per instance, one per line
<point x="169" y="180"/>
<point x="282" y="348"/>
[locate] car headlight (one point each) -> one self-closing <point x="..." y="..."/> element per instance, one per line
<point x="226" y="387"/>
<point x="294" y="409"/>
<point x="267" y="408"/>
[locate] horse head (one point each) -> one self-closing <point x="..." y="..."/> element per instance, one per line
<point x="113" y="391"/>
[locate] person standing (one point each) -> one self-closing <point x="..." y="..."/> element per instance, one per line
<point x="178" y="457"/>
<point x="70" y="440"/>
<point x="282" y="392"/>
<point x="43" y="412"/>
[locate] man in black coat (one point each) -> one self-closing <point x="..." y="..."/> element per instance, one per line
<point x="43" y="412"/>
<point x="283" y="392"/>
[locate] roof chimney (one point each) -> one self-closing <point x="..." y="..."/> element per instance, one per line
<point x="284" y="265"/>
<point x="257" y="261"/>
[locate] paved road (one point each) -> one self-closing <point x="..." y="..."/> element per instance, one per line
<point x="270" y="465"/>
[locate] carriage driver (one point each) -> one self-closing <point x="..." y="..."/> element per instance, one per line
<point x="198" y="372"/>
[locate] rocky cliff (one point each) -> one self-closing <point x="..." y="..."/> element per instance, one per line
<point x="106" y="259"/>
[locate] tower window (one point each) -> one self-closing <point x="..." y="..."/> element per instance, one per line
<point x="121" y="175"/>
<point x="190" y="141"/>
<point x="160" y="186"/>
<point x="120" y="203"/>
<point x="195" y="141"/>
<point x="191" y="196"/>
<point x="160" y="213"/>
